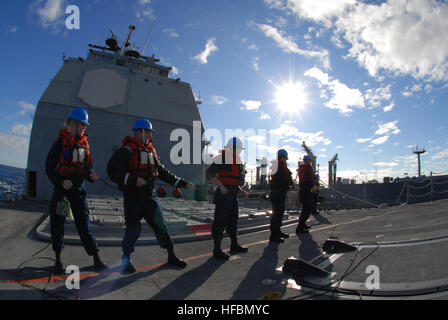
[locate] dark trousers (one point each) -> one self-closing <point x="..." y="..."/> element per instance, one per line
<point x="137" y="208"/>
<point x="278" y="199"/>
<point x="315" y="197"/>
<point x="80" y="211"/>
<point x="306" y="199"/>
<point x="226" y="214"/>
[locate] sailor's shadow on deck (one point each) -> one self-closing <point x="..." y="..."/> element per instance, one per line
<point x="187" y="283"/>
<point x="253" y="287"/>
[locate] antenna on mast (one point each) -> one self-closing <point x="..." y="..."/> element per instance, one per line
<point x="147" y="38"/>
<point x="128" y="37"/>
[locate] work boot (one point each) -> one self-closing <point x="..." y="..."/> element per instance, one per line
<point x="237" y="248"/>
<point x="127" y="266"/>
<point x="175" y="261"/>
<point x="276" y="238"/>
<point x="98" y="263"/>
<point x="219" y="254"/>
<point x="283" y="235"/>
<point x="58" y="266"/>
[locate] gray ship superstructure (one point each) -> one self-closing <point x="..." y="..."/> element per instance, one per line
<point x="116" y="86"/>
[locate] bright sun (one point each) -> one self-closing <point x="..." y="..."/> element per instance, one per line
<point x="290" y="97"/>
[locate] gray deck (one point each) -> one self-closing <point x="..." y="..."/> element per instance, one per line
<point x="411" y="257"/>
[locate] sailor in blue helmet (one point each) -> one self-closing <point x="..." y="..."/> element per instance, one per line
<point x="306" y="183"/>
<point x="135" y="167"/>
<point x="280" y="183"/>
<point x="68" y="164"/>
<point x="228" y="173"/>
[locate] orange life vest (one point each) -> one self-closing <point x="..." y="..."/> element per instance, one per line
<point x="287" y="173"/>
<point x="302" y="171"/>
<point x="236" y="175"/>
<point x="144" y="160"/>
<point x="177" y="193"/>
<point x="75" y="160"/>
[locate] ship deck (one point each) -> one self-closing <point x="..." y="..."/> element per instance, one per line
<point x="408" y="245"/>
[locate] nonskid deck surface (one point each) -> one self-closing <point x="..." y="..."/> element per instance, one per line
<point x="406" y="243"/>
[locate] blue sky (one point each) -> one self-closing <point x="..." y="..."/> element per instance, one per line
<point x="369" y="78"/>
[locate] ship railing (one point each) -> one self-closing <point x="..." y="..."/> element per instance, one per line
<point x="414" y="189"/>
<point x="431" y="185"/>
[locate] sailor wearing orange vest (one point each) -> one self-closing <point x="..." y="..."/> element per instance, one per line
<point x="281" y="182"/>
<point x="306" y="183"/>
<point x="68" y="163"/>
<point x="135" y="167"/>
<point x="228" y="173"/>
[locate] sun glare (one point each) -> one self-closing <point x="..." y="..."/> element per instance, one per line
<point x="290" y="97"/>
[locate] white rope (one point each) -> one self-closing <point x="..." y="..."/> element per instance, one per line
<point x="439" y="172"/>
<point x="347" y="195"/>
<point x="443" y="182"/>
<point x="419" y="188"/>
<point x="422" y="195"/>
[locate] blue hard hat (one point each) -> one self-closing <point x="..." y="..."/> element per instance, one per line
<point x="317" y="176"/>
<point x="79" y="114"/>
<point x="307" y="158"/>
<point x="235" y="142"/>
<point x="283" y="152"/>
<point x="142" y="123"/>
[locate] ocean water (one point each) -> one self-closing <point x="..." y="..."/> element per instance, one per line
<point x="11" y="179"/>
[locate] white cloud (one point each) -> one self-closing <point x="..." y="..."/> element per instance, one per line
<point x="386" y="164"/>
<point x="174" y="70"/>
<point x="363" y="140"/>
<point x="389" y="107"/>
<point x="380" y="140"/>
<point x="171" y="33"/>
<point x="13" y="144"/>
<point x="288" y="133"/>
<point x="440" y="155"/>
<point x="255" y="63"/>
<point x="210" y="47"/>
<point x="399" y="37"/>
<point x="373" y="97"/>
<point x="288" y="44"/>
<point x="343" y="97"/>
<point x="253" y="47"/>
<point x="10" y="30"/>
<point x="50" y="12"/>
<point x="25" y="107"/>
<point x="402" y="37"/>
<point x="389" y="127"/>
<point x="218" y="99"/>
<point x="250" y="105"/>
<point x="22" y="129"/>
<point x="264" y="116"/>
<point x="322" y="11"/>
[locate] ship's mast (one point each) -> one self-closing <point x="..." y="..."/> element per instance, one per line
<point x="418" y="153"/>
